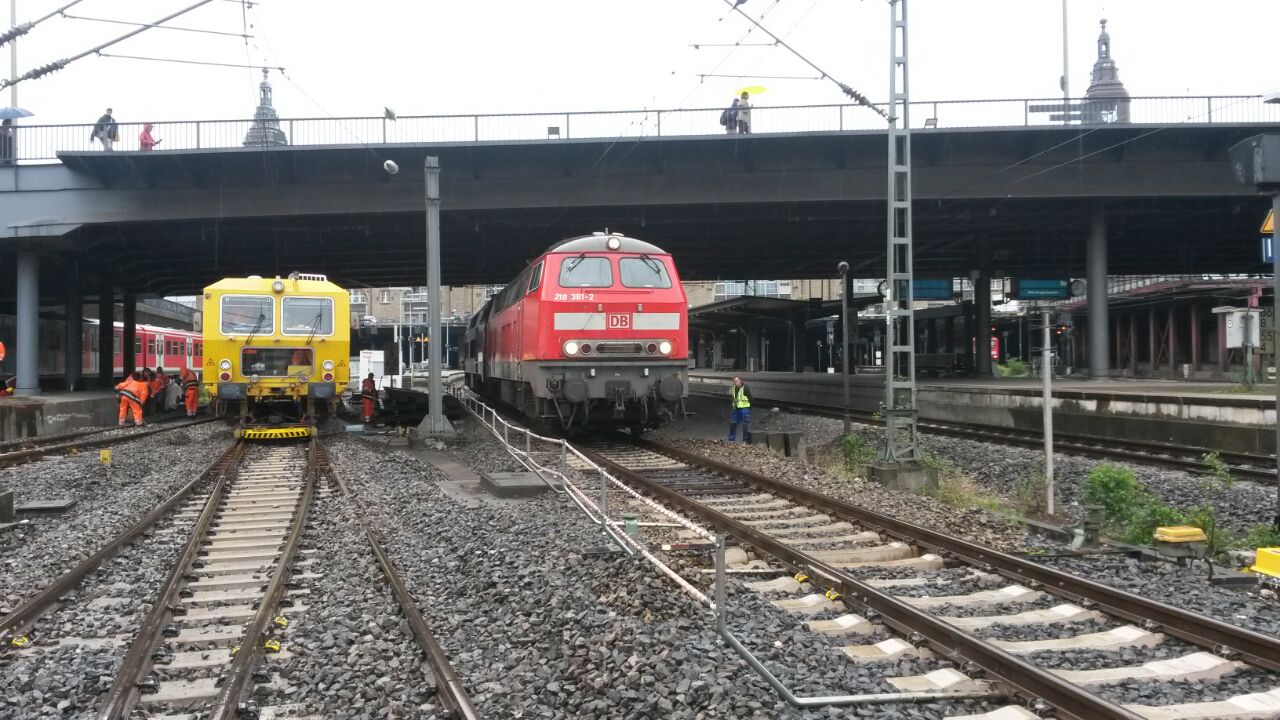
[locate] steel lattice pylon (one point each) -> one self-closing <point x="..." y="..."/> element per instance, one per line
<point x="901" y="442"/>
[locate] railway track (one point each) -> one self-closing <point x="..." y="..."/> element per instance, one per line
<point x="1243" y="466"/>
<point x="216" y="627"/>
<point x="16" y="452"/>
<point x="840" y="554"/>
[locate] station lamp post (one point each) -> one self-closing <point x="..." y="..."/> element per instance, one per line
<point x="843" y="268"/>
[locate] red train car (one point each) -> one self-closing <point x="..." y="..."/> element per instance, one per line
<point x="593" y="333"/>
<point x="159" y="347"/>
<point x="153" y="346"/>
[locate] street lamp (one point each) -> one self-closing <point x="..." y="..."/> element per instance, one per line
<point x="843" y="269"/>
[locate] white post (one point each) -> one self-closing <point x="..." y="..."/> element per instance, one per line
<point x="435" y="342"/>
<point x="1046" y="399"/>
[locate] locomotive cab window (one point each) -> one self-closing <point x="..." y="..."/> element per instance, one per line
<point x="586" y="272"/>
<point x="643" y="272"/>
<point x="535" y="277"/>
<point x="307" y="316"/>
<point x="244" y="314"/>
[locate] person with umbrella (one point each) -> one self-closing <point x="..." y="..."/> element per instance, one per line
<point x="8" y="141"/>
<point x="106" y="131"/>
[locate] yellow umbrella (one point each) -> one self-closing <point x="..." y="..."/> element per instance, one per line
<point x="752" y="90"/>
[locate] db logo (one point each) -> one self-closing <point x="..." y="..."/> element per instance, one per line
<point x="619" y="321"/>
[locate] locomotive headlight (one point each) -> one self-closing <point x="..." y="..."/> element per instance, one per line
<point x="613" y="243"/>
<point x="253" y="378"/>
<point x="277" y="286"/>
<point x="224" y="365"/>
<point x="327" y="364"/>
<point x="664" y="347"/>
<point x="571" y="348"/>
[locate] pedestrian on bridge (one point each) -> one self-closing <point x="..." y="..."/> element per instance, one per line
<point x="744" y="114"/>
<point x="729" y="118"/>
<point x="145" y="140"/>
<point x="740" y="402"/>
<point x="106" y="131"/>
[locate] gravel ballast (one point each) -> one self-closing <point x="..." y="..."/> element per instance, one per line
<point x="110" y="498"/>
<point x="540" y="623"/>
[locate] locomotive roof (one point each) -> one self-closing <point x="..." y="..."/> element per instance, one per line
<point x="597" y="242"/>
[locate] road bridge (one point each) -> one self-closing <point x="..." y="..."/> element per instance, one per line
<point x="998" y="192"/>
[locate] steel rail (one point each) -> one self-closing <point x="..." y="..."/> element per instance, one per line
<point x="12" y="458"/>
<point x="1071" y="701"/>
<point x="227" y="704"/>
<point x="449" y="685"/>
<point x="124" y="691"/>
<point x="19" y="622"/>
<point x="1219" y="637"/>
<point x="1245" y="466"/>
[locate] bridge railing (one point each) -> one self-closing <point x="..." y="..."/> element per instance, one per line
<point x="42" y="143"/>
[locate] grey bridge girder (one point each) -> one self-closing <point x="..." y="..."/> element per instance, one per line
<point x="100" y="188"/>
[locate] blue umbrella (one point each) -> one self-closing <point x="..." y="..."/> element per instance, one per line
<point x="10" y="113"/>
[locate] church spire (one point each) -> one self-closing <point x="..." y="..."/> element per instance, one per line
<point x="1106" y="100"/>
<point x="266" y="123"/>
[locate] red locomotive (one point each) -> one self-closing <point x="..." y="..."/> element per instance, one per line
<point x="593" y="333"/>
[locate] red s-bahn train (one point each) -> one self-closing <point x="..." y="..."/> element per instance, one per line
<point x="593" y="333"/>
<point x="153" y="346"/>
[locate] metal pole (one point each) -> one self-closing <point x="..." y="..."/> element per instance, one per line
<point x="1066" y="70"/>
<point x="1275" y="340"/>
<point x="434" y="341"/>
<point x="843" y="267"/>
<point x="901" y="442"/>
<point x="1046" y="399"/>
<point x="1096" y="266"/>
<point x="13" y="54"/>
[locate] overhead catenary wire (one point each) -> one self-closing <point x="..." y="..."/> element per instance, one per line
<point x="60" y="64"/>
<point x="761" y="77"/>
<point x="152" y="25"/>
<point x="191" y="62"/>
<point x="18" y="31"/>
<point x="735" y="6"/>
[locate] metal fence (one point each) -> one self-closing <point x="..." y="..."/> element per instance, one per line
<point x="42" y="143"/>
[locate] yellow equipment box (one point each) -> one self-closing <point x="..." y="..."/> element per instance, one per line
<point x="1180" y="534"/>
<point x="1267" y="562"/>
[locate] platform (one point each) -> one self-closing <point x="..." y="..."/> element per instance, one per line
<point x="55" y="413"/>
<point x="1193" y="414"/>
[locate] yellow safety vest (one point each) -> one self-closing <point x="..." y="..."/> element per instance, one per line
<point x="740" y="398"/>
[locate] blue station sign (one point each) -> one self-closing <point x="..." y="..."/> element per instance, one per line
<point x="1033" y="289"/>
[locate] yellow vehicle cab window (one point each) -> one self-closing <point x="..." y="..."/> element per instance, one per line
<point x="244" y="314"/>
<point x="307" y="315"/>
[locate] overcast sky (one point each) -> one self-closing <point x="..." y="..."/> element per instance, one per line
<point x="485" y="56"/>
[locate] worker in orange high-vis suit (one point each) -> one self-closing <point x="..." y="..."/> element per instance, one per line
<point x="155" y="386"/>
<point x="133" y="393"/>
<point x="190" y="390"/>
<point x="368" y="395"/>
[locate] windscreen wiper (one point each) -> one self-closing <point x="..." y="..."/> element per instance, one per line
<point x="315" y="326"/>
<point x="654" y="265"/>
<point x="261" y="319"/>
<point x="574" y="262"/>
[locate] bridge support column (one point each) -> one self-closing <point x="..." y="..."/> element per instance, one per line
<point x="797" y="343"/>
<point x="982" y="323"/>
<point x="27" y="352"/>
<point x="1195" y="337"/>
<point x="717" y="351"/>
<point x="752" y="350"/>
<point x="129" y="334"/>
<point x="106" y="334"/>
<point x="949" y="329"/>
<point x="1099" y="353"/>
<point x="1133" y="344"/>
<point x="75" y="329"/>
